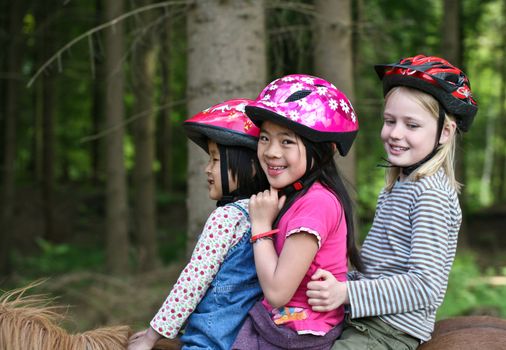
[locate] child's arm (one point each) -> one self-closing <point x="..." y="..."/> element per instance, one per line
<point x="278" y="276"/>
<point x="219" y="234"/>
<point x="417" y="288"/>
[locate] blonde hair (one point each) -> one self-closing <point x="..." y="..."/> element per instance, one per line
<point x="444" y="157"/>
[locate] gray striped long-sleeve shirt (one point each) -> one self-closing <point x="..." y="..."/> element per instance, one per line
<point x="408" y="255"/>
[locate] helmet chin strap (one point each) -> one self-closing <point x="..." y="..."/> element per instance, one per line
<point x="227" y="197"/>
<point x="407" y="170"/>
<point x="309" y="176"/>
<point x="304" y="180"/>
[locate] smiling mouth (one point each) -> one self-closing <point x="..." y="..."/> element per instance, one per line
<point x="398" y="148"/>
<point x="276" y="168"/>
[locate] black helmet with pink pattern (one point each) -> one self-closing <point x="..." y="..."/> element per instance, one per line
<point x="437" y="77"/>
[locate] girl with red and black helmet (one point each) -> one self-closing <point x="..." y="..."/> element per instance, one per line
<point x="305" y="220"/>
<point x="411" y="245"/>
<point x="219" y="284"/>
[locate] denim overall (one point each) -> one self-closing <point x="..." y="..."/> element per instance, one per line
<point x="220" y="314"/>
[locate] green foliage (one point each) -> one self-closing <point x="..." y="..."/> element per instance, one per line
<point x="172" y="246"/>
<point x="383" y="32"/>
<point x="290" y="38"/>
<point x="170" y="198"/>
<point x="407" y="27"/>
<point x="484" y="142"/>
<point x="470" y="291"/>
<point x="58" y="258"/>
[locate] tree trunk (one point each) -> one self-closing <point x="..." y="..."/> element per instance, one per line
<point x="488" y="164"/>
<point x="97" y="108"/>
<point x="452" y="39"/>
<point x="48" y="85"/>
<point x="501" y="162"/>
<point x="116" y="191"/>
<point x="11" y="116"/>
<point x="47" y="94"/>
<point x="144" y="59"/>
<point x="333" y="60"/>
<point x="452" y="43"/>
<point x="166" y="159"/>
<point x="226" y="59"/>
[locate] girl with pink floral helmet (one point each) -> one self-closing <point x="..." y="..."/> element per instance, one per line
<point x="219" y="284"/>
<point x="305" y="220"/>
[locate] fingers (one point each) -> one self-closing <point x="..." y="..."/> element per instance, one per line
<point x="263" y="208"/>
<point x="136" y="336"/>
<point x="318" y="292"/>
<point x="321" y="275"/>
<point x="315" y="286"/>
<point x="321" y="308"/>
<point x="317" y="295"/>
<point x="265" y="197"/>
<point x="281" y="202"/>
<point x="319" y="300"/>
<point x="272" y="194"/>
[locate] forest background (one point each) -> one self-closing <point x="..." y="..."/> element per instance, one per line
<point x="102" y="194"/>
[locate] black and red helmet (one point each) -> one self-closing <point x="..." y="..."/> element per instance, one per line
<point x="437" y="77"/>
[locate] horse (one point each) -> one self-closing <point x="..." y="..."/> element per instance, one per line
<point x="32" y="323"/>
<point x="468" y="332"/>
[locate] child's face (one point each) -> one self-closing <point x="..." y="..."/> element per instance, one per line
<point x="282" y="155"/>
<point x="213" y="173"/>
<point x="409" y="130"/>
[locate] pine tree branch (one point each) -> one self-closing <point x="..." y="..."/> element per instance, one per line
<point x="89" y="33"/>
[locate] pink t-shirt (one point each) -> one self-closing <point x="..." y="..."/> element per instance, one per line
<point x="318" y="212"/>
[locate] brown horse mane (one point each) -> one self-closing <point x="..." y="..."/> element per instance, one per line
<point x="30" y="322"/>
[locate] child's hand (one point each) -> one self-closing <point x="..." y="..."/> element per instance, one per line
<point x="263" y="208"/>
<point x="325" y="293"/>
<point x="143" y="340"/>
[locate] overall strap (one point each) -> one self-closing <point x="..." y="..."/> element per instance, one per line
<point x="247" y="235"/>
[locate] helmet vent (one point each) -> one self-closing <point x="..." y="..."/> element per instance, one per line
<point x="454" y="78"/>
<point x="297" y="95"/>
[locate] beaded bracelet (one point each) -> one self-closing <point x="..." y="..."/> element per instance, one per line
<point x="264" y="235"/>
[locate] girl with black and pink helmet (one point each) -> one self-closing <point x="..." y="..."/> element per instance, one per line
<point x="411" y="245"/>
<point x="219" y="284"/>
<point x="305" y="220"/>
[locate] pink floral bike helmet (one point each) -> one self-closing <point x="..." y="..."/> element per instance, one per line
<point x="224" y="123"/>
<point x="310" y="106"/>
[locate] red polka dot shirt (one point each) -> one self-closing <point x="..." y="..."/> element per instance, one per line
<point x="224" y="228"/>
